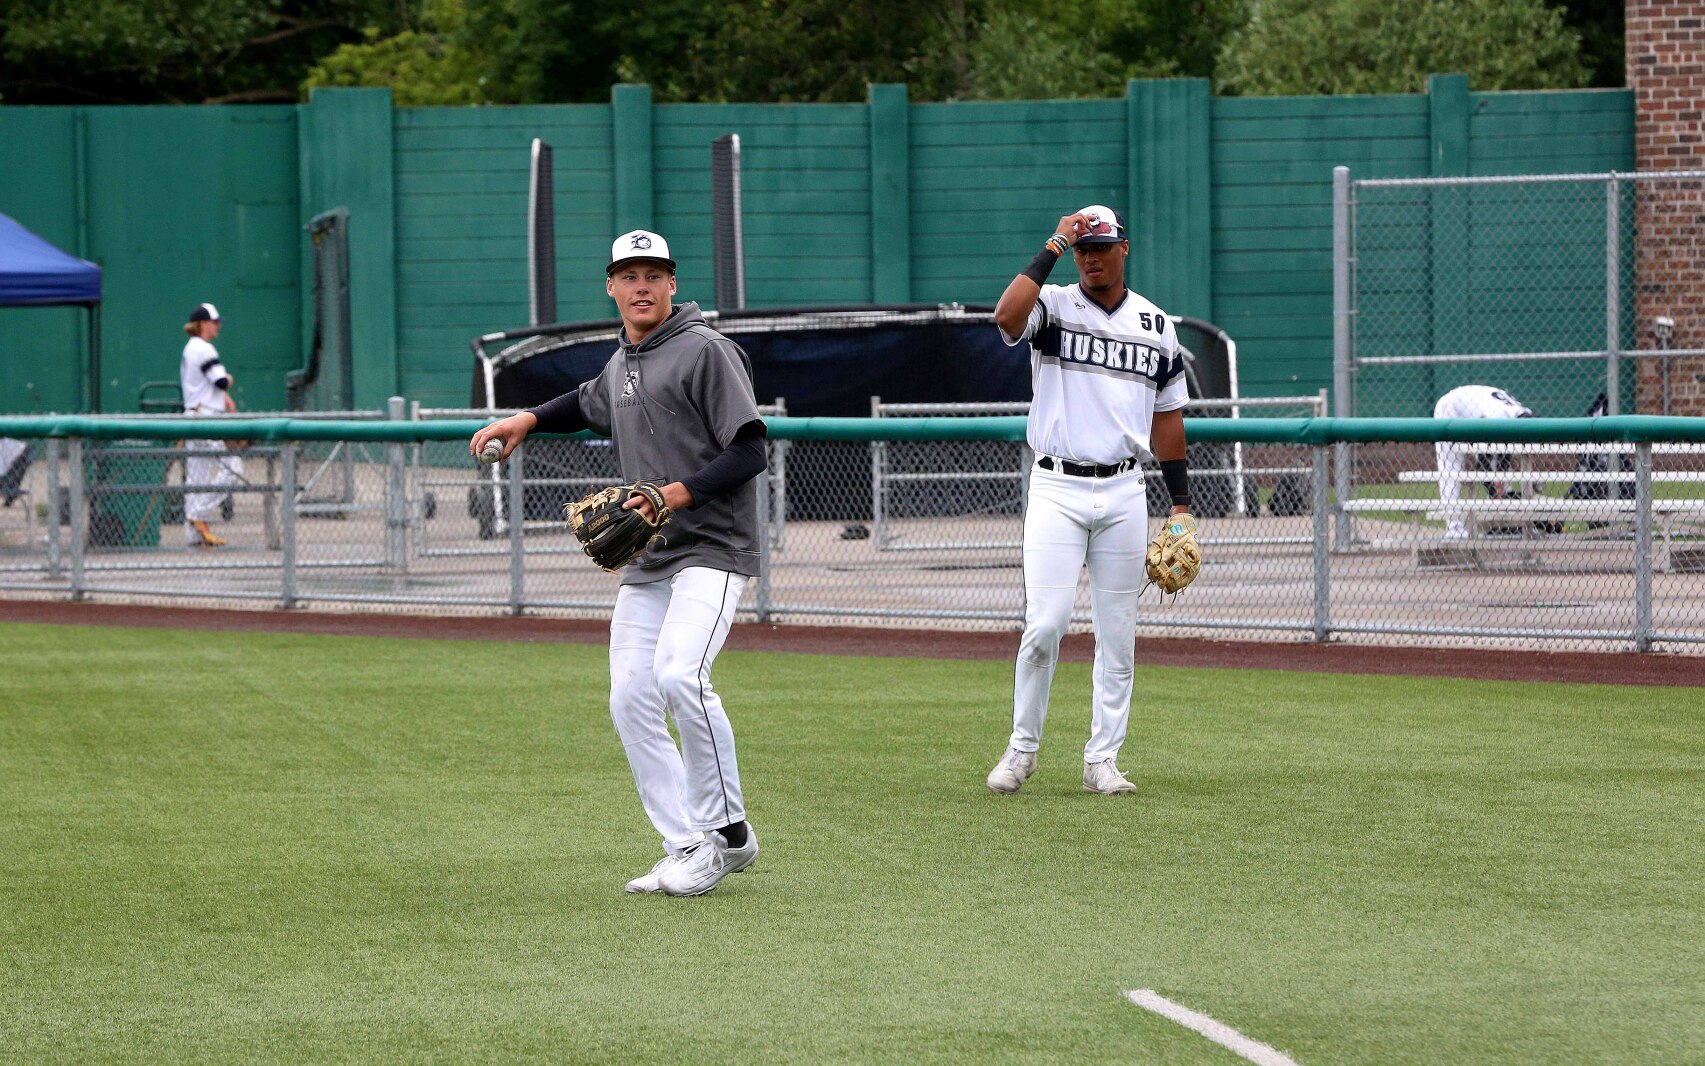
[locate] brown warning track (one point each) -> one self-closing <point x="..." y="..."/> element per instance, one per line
<point x="1624" y="668"/>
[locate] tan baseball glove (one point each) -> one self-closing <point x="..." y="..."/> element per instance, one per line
<point x="1174" y="558"/>
<point x="611" y="535"/>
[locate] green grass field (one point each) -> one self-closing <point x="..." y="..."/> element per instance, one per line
<point x="236" y="847"/>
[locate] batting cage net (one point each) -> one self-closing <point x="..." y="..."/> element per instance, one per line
<point x="728" y="236"/>
<point x="541" y="236"/>
<point x="327" y="381"/>
<point x="326" y="384"/>
<point x="939" y="359"/>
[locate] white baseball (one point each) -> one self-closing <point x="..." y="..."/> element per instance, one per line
<point x="493" y="450"/>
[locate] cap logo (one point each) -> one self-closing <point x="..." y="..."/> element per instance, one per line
<point x="1099" y="227"/>
<point x="640" y="240"/>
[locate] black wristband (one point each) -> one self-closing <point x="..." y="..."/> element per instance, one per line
<point x="1176" y="473"/>
<point x="1041" y="266"/>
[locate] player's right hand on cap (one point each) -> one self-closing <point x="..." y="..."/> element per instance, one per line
<point x="1073" y="226"/>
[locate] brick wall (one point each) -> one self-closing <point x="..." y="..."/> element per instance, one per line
<point x="1665" y="46"/>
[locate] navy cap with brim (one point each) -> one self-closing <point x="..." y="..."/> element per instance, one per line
<point x="1104" y="214"/>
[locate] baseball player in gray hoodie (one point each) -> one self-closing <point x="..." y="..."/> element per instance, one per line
<point x="676" y="397"/>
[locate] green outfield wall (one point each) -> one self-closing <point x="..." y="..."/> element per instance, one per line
<point x="886" y="201"/>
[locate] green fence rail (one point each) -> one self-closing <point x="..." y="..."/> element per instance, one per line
<point x="1622" y="429"/>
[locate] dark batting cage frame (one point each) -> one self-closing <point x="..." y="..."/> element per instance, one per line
<point x="824" y="361"/>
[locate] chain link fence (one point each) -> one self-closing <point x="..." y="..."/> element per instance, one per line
<point x="1564" y="290"/>
<point x="1581" y="558"/>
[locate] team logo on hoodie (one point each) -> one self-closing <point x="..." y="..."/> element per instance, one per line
<point x="630" y="391"/>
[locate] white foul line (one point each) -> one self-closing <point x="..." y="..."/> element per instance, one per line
<point x="1220" y="1033"/>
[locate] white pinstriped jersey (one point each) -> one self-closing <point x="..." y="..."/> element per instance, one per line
<point x="1098" y="377"/>
<point x="197" y="373"/>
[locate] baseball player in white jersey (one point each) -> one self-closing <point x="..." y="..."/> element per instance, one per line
<point x="206" y="391"/>
<point x="1108" y="392"/>
<point x="676" y="397"/>
<point x="1470" y="401"/>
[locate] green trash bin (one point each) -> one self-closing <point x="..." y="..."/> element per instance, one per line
<point x="126" y="519"/>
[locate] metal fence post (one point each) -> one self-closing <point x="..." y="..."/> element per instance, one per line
<point x="287" y="523"/>
<point x="778" y="481"/>
<point x="1343" y="323"/>
<point x="517" y="545"/>
<point x="1643" y="546"/>
<point x="1322" y="552"/>
<point x="1613" y="294"/>
<point x="878" y="464"/>
<point x="79" y="517"/>
<point x="417" y="499"/>
<point x="396" y="494"/>
<point x="55" y="558"/>
<point x="764" y="544"/>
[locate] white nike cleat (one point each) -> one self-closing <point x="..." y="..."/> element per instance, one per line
<point x="652" y="882"/>
<point x="1104" y="777"/>
<point x="742" y="857"/>
<point x="1010" y="773"/>
<point x="704" y="867"/>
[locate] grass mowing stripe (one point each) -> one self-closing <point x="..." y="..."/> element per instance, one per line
<point x="360" y="849"/>
<point x="1217" y="1031"/>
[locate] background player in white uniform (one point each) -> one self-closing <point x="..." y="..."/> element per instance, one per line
<point x="676" y="398"/>
<point x="1108" y="391"/>
<point x="207" y="391"/>
<point x="1470" y="401"/>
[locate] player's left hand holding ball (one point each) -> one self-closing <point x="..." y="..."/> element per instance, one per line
<point x="1174" y="558"/>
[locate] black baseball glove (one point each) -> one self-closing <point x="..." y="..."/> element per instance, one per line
<point x="611" y="535"/>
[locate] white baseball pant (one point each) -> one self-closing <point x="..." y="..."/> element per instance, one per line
<point x="1071" y="521"/>
<point x="664" y="637"/>
<point x="210" y="463"/>
<point x="1451" y="466"/>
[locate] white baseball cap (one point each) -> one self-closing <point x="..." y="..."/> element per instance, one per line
<point x="1106" y="226"/>
<point x="204" y="313"/>
<point x="639" y="244"/>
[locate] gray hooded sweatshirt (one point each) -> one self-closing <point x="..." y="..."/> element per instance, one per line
<point x="672" y="404"/>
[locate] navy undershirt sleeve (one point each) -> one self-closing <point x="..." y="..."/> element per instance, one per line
<point x="561" y="415"/>
<point x="739" y="463"/>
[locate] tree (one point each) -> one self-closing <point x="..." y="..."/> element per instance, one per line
<point x="432" y="64"/>
<point x="1090" y="48"/>
<point x="1599" y="22"/>
<point x="566" y="51"/>
<point x="174" y="51"/>
<point x="422" y="69"/>
<point x="818" y="51"/>
<point x="1315" y="47"/>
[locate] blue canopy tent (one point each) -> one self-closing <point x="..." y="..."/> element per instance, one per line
<point x="33" y="273"/>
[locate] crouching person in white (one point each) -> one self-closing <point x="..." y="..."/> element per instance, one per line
<point x="1470" y="401"/>
<point x="676" y="396"/>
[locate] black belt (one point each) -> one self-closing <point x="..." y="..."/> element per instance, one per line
<point x="1066" y="466"/>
